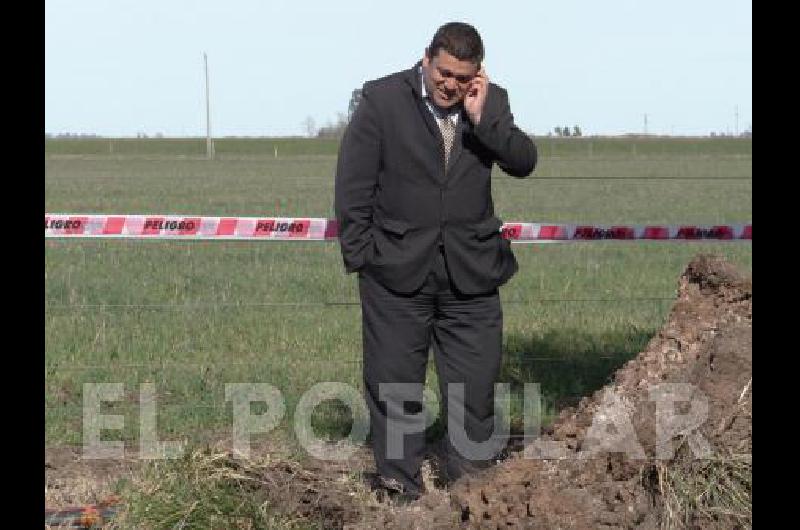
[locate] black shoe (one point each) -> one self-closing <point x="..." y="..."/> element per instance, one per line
<point x="390" y="489"/>
<point x="403" y="499"/>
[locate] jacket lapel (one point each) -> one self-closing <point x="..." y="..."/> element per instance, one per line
<point x="415" y="80"/>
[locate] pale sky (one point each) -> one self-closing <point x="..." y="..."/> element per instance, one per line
<point x="121" y="67"/>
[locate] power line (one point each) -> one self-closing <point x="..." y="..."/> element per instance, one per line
<point x="209" y="142"/>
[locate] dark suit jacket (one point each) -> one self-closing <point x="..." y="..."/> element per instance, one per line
<point x="395" y="201"/>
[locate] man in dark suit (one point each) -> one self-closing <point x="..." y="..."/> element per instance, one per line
<point x="416" y="221"/>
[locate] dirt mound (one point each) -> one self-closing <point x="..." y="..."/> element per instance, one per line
<point x="640" y="480"/>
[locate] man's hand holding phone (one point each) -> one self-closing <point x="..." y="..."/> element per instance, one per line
<point x="475" y="98"/>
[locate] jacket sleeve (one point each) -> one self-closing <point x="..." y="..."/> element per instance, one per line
<point x="515" y="152"/>
<point x="356" y="178"/>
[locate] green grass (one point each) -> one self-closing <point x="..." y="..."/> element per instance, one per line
<point x="202" y="489"/>
<point x="716" y="492"/>
<point x="189" y="147"/>
<point x="548" y="146"/>
<point x="192" y="316"/>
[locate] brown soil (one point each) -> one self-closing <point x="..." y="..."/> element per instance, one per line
<point x="73" y="481"/>
<point x="706" y="342"/>
<point x="325" y="493"/>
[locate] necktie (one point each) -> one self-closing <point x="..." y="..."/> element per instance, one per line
<point x="448" y="134"/>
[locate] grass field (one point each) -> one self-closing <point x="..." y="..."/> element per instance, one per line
<point x="192" y="316"/>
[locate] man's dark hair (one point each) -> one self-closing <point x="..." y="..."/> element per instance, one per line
<point x="460" y="40"/>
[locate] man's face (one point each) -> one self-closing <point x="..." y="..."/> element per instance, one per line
<point x="446" y="78"/>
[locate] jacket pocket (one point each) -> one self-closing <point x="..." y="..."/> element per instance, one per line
<point x="488" y="228"/>
<point x="393" y="226"/>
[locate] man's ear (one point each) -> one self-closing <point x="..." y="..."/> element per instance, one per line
<point x="426" y="58"/>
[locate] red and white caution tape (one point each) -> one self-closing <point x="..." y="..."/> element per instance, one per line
<point x="541" y="232"/>
<point x="89" y="516"/>
<point x="187" y="227"/>
<point x="179" y="227"/>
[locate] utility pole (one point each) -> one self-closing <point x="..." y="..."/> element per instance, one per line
<point x="209" y="142"/>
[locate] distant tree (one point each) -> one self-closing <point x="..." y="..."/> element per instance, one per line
<point x="334" y="130"/>
<point x="565" y="131"/>
<point x="310" y="126"/>
<point x="576" y="131"/>
<point x="557" y="130"/>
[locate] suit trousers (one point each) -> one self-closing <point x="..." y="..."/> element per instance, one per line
<point x="465" y="333"/>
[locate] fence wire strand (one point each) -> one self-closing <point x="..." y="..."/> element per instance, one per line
<point x="333" y="304"/>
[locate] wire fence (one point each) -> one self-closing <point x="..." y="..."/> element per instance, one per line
<point x="330" y="304"/>
<point x="598" y="367"/>
<point x="349" y="359"/>
<point x="330" y="179"/>
<point x="346" y="358"/>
